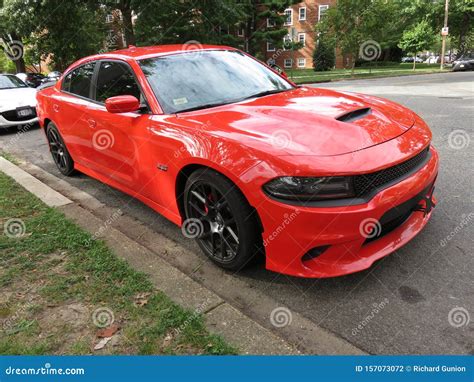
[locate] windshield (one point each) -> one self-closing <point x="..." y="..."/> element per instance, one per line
<point x="10" y="82"/>
<point x="200" y="79"/>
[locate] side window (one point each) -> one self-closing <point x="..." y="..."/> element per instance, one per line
<point x="79" y="80"/>
<point x="114" y="79"/>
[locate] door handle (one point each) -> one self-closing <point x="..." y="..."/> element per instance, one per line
<point x="56" y="107"/>
<point x="92" y="123"/>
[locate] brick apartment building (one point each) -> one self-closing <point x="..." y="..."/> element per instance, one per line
<point x="301" y="19"/>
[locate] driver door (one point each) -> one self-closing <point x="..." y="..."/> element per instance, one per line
<point x="116" y="138"/>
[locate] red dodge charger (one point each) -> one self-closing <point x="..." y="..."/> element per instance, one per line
<point x="323" y="183"/>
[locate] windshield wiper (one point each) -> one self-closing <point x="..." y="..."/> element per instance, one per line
<point x="265" y="93"/>
<point x="205" y="106"/>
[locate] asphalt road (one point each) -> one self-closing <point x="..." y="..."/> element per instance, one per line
<point x="415" y="289"/>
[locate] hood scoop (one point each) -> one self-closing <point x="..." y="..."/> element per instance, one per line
<point x="354" y="115"/>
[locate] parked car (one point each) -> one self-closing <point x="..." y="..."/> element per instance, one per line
<point x="410" y="59"/>
<point x="323" y="182"/>
<point x="465" y="62"/>
<point x="51" y="77"/>
<point x="17" y="102"/>
<point x="31" y="79"/>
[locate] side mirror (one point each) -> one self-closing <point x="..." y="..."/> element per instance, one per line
<point x="122" y="104"/>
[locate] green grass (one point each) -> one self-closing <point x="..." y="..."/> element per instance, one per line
<point x="308" y="75"/>
<point x="55" y="265"/>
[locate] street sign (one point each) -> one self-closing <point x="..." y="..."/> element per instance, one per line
<point x="445" y="31"/>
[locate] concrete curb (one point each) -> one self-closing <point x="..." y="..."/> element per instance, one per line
<point x="169" y="267"/>
<point x="221" y="318"/>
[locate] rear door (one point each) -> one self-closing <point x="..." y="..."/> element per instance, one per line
<point x="70" y="110"/>
<point x="119" y="140"/>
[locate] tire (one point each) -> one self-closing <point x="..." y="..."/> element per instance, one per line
<point x="221" y="220"/>
<point x="58" y="150"/>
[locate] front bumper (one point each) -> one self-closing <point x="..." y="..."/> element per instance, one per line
<point x="9" y="118"/>
<point x="339" y="229"/>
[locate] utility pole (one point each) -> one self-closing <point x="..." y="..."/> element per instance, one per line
<point x="444" y="33"/>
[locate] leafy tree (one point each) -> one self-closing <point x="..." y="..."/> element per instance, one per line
<point x="324" y="57"/>
<point x="418" y="38"/>
<point x="351" y="23"/>
<point x="181" y="21"/>
<point x="9" y="32"/>
<point x="60" y="31"/>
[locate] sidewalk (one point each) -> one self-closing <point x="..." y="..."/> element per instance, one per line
<point x="149" y="252"/>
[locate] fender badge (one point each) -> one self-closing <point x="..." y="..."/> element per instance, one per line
<point x="162" y="167"/>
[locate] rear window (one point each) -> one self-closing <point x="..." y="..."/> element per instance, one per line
<point x="79" y="80"/>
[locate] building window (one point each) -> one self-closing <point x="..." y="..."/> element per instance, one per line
<point x="322" y="10"/>
<point x="289" y="17"/>
<point x="240" y="31"/>
<point x="270" y="22"/>
<point x="270" y="47"/>
<point x="109" y="18"/>
<point x="302" y="38"/>
<point x="302" y="14"/>
<point x="288" y="63"/>
<point x="301" y="62"/>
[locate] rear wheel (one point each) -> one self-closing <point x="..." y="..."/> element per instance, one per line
<point x="221" y="220"/>
<point x="58" y="150"/>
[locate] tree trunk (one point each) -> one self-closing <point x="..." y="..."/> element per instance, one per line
<point x="127" y="23"/>
<point x="414" y="62"/>
<point x="20" y="66"/>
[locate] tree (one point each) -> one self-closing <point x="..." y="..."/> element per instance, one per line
<point x="10" y="35"/>
<point x="62" y="32"/>
<point x="352" y="23"/>
<point x="324" y="57"/>
<point x="181" y="21"/>
<point x="420" y="37"/>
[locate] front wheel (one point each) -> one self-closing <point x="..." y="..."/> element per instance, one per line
<point x="221" y="220"/>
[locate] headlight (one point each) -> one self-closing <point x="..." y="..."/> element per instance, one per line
<point x="310" y="189"/>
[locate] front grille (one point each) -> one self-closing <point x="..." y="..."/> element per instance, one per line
<point x="368" y="183"/>
<point x="12" y="116"/>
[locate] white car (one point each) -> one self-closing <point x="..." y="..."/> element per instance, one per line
<point x="17" y="102"/>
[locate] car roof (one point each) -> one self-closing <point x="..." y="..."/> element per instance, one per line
<point x="139" y="53"/>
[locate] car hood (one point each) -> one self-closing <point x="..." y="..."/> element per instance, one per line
<point x="10" y="99"/>
<point x="307" y="121"/>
